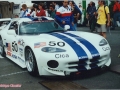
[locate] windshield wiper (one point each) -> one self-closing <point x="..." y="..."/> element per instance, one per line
<point x="56" y="31"/>
<point x="31" y="33"/>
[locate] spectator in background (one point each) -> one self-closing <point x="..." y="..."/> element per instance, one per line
<point x="41" y="12"/>
<point x="116" y="11"/>
<point x="91" y="16"/>
<point x="64" y="15"/>
<point x="76" y="17"/>
<point x="56" y="5"/>
<point x="80" y="7"/>
<point x="71" y="5"/>
<point x="33" y="13"/>
<point x="52" y="11"/>
<point x="101" y="18"/>
<point x="21" y="12"/>
<point x="16" y="16"/>
<point x="87" y="15"/>
<point x="25" y="11"/>
<point x="81" y="16"/>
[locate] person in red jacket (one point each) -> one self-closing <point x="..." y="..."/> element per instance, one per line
<point x="116" y="10"/>
<point x="41" y="12"/>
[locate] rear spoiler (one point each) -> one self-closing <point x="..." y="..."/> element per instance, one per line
<point x="5" y="19"/>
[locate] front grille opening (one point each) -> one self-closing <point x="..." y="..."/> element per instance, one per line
<point x="78" y="67"/>
<point x="73" y="63"/>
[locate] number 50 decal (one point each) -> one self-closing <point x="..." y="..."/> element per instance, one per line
<point x="14" y="46"/>
<point x="53" y="43"/>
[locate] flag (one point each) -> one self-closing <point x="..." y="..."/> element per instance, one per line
<point x="8" y="47"/>
<point x="19" y="41"/>
<point x="40" y="44"/>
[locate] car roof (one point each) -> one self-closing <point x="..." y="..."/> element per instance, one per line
<point x="20" y="20"/>
<point x="5" y="19"/>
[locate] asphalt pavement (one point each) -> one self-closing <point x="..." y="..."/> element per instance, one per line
<point x="13" y="77"/>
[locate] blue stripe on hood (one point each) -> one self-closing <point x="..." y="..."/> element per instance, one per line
<point x="78" y="49"/>
<point x="94" y="52"/>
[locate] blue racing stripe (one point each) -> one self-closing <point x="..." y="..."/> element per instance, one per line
<point x="94" y="52"/>
<point x="78" y="49"/>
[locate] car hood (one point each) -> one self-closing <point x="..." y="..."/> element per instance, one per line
<point x="76" y="36"/>
<point x="79" y="42"/>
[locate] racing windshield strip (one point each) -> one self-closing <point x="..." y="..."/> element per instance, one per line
<point x="94" y="52"/>
<point x="78" y="49"/>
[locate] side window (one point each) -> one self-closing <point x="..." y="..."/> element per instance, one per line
<point x="14" y="26"/>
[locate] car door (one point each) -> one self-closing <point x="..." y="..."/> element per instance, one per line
<point x="11" y="42"/>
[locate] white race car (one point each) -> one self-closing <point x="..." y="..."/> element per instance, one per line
<point x="45" y="48"/>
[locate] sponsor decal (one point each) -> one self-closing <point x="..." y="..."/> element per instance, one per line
<point x="60" y="44"/>
<point x="61" y="56"/>
<point x="14" y="56"/>
<point x="20" y="59"/>
<point x="21" y="51"/>
<point x="8" y="47"/>
<point x="9" y="53"/>
<point x="78" y="49"/>
<point x="55" y="70"/>
<point x="14" y="46"/>
<point x="39" y="44"/>
<point x="106" y="48"/>
<point x="21" y="42"/>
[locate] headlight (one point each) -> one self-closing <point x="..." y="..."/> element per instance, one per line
<point x="52" y="50"/>
<point x="103" y="42"/>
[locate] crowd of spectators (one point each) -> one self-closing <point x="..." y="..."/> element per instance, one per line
<point x="68" y="13"/>
<point x="99" y="19"/>
<point x="72" y="15"/>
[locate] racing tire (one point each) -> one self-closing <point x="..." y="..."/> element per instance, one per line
<point x="2" y="50"/>
<point x="31" y="63"/>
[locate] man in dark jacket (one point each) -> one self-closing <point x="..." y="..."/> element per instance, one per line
<point x="52" y="11"/>
<point x="91" y="16"/>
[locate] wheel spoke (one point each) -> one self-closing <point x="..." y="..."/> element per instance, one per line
<point x="29" y="61"/>
<point x="1" y="47"/>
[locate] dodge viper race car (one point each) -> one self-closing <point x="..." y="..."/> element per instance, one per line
<point x="45" y="48"/>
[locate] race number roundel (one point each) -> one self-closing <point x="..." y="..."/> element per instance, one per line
<point x="14" y="46"/>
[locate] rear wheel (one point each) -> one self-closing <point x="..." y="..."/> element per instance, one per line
<point x="31" y="62"/>
<point x="2" y="51"/>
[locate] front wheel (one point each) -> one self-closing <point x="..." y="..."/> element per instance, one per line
<point x="31" y="62"/>
<point x="2" y="51"/>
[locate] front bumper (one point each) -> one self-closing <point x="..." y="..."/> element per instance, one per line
<point x="78" y="66"/>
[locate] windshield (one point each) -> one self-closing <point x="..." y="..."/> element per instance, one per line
<point x="37" y="27"/>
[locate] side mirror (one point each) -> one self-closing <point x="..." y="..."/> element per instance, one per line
<point x="66" y="27"/>
<point x="11" y="32"/>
